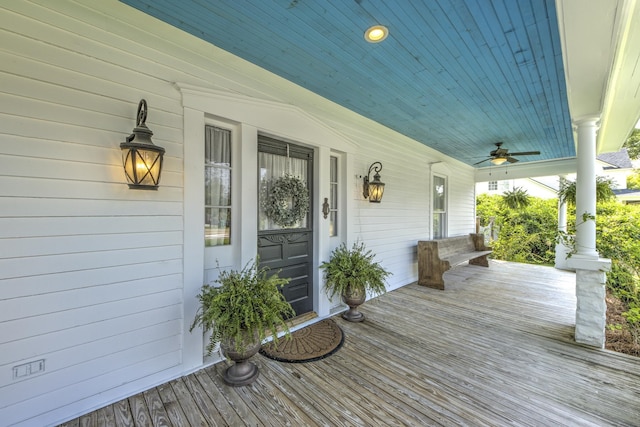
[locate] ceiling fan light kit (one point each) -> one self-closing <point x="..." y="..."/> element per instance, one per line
<point x="498" y="161"/>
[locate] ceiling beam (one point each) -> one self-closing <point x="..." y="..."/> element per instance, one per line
<point x="621" y="110"/>
<point x="527" y="170"/>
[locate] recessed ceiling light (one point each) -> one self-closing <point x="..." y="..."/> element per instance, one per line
<point x="376" y="34"/>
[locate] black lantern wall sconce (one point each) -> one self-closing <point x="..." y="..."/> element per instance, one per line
<point x="373" y="190"/>
<point x="142" y="160"/>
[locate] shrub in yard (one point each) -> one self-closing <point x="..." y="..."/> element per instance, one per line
<point x="526" y="234"/>
<point x="618" y="238"/>
<point x="633" y="321"/>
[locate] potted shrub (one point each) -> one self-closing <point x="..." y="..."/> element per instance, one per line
<point x="350" y="273"/>
<point x="245" y="309"/>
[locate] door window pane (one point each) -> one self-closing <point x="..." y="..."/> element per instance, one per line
<point x="217" y="186"/>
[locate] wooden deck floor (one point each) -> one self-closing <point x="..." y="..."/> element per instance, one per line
<point x="494" y="349"/>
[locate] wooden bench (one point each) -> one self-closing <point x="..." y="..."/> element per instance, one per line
<point x="437" y="256"/>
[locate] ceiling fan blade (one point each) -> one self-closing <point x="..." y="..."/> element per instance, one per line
<point x="511" y="159"/>
<point x="481" y="161"/>
<point x="525" y="153"/>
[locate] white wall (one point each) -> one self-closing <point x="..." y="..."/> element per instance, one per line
<point x="92" y="276"/>
<point x="618" y="177"/>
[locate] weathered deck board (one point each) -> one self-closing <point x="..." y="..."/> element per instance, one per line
<point x="169" y="399"/>
<point x="189" y="405"/>
<point x="123" y="414"/>
<point x="159" y="415"/>
<point x="226" y="410"/>
<point x="234" y="399"/>
<point x="495" y="348"/>
<point x="139" y="410"/>
<point x="106" y="417"/>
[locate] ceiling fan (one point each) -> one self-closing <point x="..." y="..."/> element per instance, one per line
<point x="501" y="155"/>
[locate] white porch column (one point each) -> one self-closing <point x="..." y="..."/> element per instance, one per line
<point x="562" y="251"/>
<point x="586" y="187"/>
<point x="591" y="306"/>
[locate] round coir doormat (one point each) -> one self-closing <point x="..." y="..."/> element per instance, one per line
<point x="313" y="342"/>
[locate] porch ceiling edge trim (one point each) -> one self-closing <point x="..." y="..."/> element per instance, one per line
<point x="527" y="170"/>
<point x="621" y="109"/>
<point x="601" y="37"/>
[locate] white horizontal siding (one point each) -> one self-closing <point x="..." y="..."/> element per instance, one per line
<point x="34" y="285"/>
<point x="92" y="391"/>
<point x="60" y="226"/>
<point x="75" y="339"/>
<point x="91" y="272"/>
<point x="94" y="362"/>
<point x="95" y="298"/>
<point x="40" y="265"/>
<point x="59" y="207"/>
<point x="35" y="246"/>
<point x="41" y="324"/>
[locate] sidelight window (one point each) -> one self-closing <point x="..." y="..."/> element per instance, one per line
<point x="217" y="186"/>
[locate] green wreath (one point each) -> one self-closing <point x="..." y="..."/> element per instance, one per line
<point x="286" y="202"/>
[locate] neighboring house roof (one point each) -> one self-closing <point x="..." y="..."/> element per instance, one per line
<point x="618" y="160"/>
<point x="551" y="183"/>
<point x="625" y="192"/>
<point x="628" y="196"/>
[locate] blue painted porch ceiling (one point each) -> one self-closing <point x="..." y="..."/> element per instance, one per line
<point x="456" y="75"/>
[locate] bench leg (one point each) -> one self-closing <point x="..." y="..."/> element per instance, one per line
<point x="434" y="278"/>
<point x="481" y="261"/>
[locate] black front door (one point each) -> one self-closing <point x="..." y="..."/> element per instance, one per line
<point x="285" y="234"/>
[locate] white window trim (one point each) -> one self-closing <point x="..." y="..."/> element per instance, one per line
<point x="224" y="255"/>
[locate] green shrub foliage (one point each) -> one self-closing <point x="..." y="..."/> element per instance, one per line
<point x="618" y="238"/>
<point x="633" y="181"/>
<point x="526" y="234"/>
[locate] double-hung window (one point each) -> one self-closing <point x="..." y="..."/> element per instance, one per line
<point x="439" y="207"/>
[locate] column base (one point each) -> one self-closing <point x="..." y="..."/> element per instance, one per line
<point x="589" y="262"/>
<point x="591" y="305"/>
